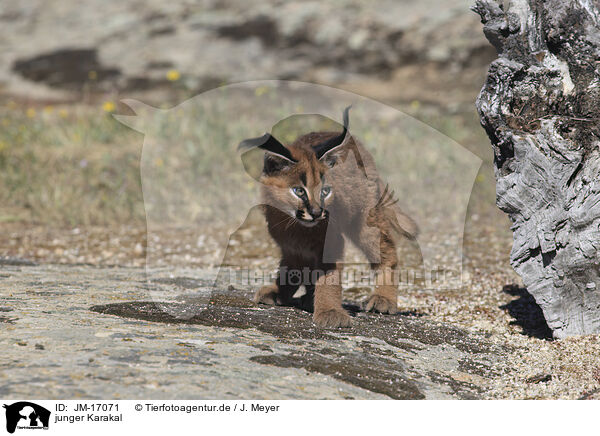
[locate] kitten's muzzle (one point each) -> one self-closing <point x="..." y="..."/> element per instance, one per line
<point x="311" y="215"/>
<point x="317" y="214"/>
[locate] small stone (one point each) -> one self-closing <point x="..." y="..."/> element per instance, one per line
<point x="138" y="249"/>
<point x="539" y="378"/>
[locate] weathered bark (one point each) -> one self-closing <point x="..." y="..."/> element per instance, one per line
<point x="540" y="109"/>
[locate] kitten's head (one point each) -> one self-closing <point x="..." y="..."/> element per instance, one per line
<point x="296" y="178"/>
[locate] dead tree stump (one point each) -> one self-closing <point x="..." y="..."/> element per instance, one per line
<point x="540" y="108"/>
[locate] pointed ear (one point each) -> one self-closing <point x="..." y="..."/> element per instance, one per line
<point x="268" y="143"/>
<point x="274" y="163"/>
<point x="276" y="158"/>
<point x="325" y="147"/>
<point x="335" y="155"/>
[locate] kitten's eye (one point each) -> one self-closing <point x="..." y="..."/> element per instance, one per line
<point x="299" y="191"/>
<point x="325" y="191"/>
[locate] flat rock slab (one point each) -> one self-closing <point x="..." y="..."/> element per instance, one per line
<point x="80" y="331"/>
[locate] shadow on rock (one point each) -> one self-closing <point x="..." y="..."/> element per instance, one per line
<point x="387" y="354"/>
<point x="226" y="310"/>
<point x="526" y="313"/>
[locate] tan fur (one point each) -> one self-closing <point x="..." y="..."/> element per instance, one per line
<point x="360" y="207"/>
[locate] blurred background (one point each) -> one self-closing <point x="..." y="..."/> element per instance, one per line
<point x="69" y="172"/>
<point x="70" y="182"/>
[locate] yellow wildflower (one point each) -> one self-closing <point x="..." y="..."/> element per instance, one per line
<point x="30" y="112"/>
<point x="108" y="106"/>
<point x="92" y="75"/>
<point x="173" y="75"/>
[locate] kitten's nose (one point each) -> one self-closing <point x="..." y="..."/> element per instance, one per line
<point x="316" y="213"/>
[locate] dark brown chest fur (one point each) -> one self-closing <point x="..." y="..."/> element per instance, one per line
<point x="301" y="246"/>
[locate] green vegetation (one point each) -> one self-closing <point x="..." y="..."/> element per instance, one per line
<point x="76" y="165"/>
<point x="68" y="166"/>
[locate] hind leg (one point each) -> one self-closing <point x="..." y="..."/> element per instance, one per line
<point x="381" y="252"/>
<point x="385" y="295"/>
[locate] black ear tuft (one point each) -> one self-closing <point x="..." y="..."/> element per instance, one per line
<point x="336" y="141"/>
<point x="335" y="155"/>
<point x="274" y="163"/>
<point x="268" y="143"/>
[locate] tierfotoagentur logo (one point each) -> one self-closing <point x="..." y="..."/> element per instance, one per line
<point x="25" y="415"/>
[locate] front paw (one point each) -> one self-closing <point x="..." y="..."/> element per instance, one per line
<point x="266" y="295"/>
<point x="332" y="318"/>
<point x="381" y="304"/>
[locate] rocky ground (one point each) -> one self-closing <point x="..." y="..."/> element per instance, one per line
<point x="117" y="343"/>
<point x="97" y="329"/>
